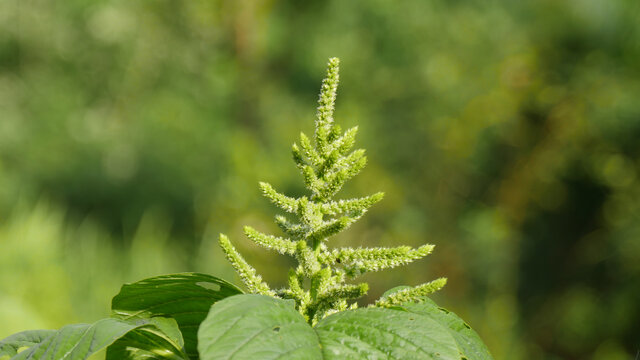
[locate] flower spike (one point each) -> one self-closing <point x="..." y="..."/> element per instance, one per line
<point x="318" y="284"/>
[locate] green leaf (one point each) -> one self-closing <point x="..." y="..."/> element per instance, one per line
<point x="466" y="338"/>
<point x="261" y="327"/>
<point x="186" y="297"/>
<point x="161" y="341"/>
<point x="79" y="341"/>
<point x="375" y="333"/>
<point x="26" y="339"/>
<point x="256" y="327"/>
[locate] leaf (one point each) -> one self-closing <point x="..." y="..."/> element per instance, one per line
<point x="186" y="297"/>
<point x="79" y="341"/>
<point x="256" y="327"/>
<point x="161" y="341"/>
<point x="466" y="338"/>
<point x="261" y="327"/>
<point x="376" y="333"/>
<point x="12" y="344"/>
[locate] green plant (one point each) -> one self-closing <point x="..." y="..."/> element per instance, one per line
<point x="197" y="316"/>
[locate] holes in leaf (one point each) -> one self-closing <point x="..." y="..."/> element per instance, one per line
<point x="276" y="329"/>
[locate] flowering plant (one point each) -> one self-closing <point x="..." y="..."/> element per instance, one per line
<point x="197" y="316"/>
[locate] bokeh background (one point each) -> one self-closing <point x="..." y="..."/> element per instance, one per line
<point x="504" y="132"/>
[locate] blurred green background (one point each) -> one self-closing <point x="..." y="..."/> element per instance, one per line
<point x="504" y="132"/>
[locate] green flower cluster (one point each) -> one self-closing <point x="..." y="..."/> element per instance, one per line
<point x="326" y="165"/>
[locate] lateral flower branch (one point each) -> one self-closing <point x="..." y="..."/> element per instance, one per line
<point x="326" y="164"/>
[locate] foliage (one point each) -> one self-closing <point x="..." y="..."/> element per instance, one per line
<point x="192" y="316"/>
<point x="504" y="131"/>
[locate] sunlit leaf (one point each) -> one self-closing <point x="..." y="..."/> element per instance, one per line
<point x="466" y="338"/>
<point x="256" y="327"/>
<point x="26" y="339"/>
<point x="161" y="341"/>
<point x="79" y="341"/>
<point x="378" y="333"/>
<point x="261" y="327"/>
<point x="186" y="297"/>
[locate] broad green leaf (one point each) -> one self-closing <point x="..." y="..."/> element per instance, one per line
<point x="468" y="341"/>
<point x="261" y="327"/>
<point x="26" y="339"/>
<point x="163" y="340"/>
<point x="186" y="297"/>
<point x="79" y="341"/>
<point x="378" y="333"/>
<point x="256" y="327"/>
